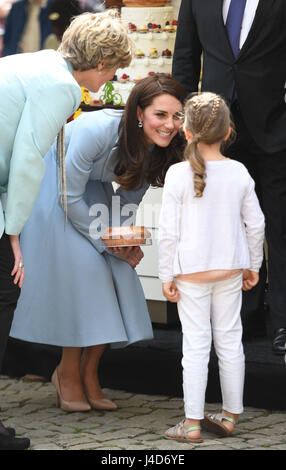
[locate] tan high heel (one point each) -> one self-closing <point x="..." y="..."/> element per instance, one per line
<point x="64" y="404"/>
<point x="102" y="404"/>
<point x="96" y="403"/>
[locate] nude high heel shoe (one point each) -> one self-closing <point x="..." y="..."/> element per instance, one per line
<point x="67" y="405"/>
<point x="102" y="404"/>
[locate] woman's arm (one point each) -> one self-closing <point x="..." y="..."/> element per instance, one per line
<point x="123" y="212"/>
<point x="41" y="120"/>
<point x="93" y="136"/>
<point x="18" y="269"/>
<point x="125" y="206"/>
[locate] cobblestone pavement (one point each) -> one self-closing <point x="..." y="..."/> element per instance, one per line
<point x="138" y="424"/>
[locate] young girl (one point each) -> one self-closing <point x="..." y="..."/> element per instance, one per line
<point x="210" y="241"/>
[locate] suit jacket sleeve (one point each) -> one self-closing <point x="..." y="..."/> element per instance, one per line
<point x="188" y="49"/>
<point x="41" y="120"/>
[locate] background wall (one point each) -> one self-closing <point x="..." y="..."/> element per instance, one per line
<point x="176" y="4"/>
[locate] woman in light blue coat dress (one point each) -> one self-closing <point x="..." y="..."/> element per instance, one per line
<point x="77" y="294"/>
<point x="38" y="93"/>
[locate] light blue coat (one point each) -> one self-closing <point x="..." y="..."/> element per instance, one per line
<point x="37" y="95"/>
<point x="75" y="293"/>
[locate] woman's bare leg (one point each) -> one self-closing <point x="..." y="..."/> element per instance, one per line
<point x="69" y="375"/>
<point x="89" y="371"/>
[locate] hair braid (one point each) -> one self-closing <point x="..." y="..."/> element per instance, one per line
<point x="207" y="117"/>
<point x="211" y="119"/>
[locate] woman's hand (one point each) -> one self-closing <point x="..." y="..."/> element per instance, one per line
<point x="170" y="291"/>
<point x="131" y="254"/>
<point x="18" y="270"/>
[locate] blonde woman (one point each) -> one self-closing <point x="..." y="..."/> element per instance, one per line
<point x="38" y="93"/>
<point x="210" y="247"/>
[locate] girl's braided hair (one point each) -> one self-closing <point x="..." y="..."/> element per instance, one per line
<point x="208" y="118"/>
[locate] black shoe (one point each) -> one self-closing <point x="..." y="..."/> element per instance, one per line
<point x="279" y="342"/>
<point x="11" y="432"/>
<point x="8" y="442"/>
<point x="7" y="431"/>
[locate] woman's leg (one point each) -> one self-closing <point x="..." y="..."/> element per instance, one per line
<point x="69" y="375"/>
<point x="89" y="371"/>
<point x="227" y="336"/>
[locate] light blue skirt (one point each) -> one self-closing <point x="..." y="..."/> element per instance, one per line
<point x="72" y="295"/>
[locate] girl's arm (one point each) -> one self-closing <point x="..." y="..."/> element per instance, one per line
<point x="170" y="291"/>
<point x="249" y="279"/>
<point x="169" y="224"/>
<point x="253" y="219"/>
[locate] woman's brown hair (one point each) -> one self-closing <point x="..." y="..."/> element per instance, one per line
<point x="208" y="118"/>
<point x="140" y="162"/>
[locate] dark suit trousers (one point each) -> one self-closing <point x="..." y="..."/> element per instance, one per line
<point x="9" y="293"/>
<point x="269" y="174"/>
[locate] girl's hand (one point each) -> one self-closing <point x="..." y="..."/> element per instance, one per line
<point x="170" y="291"/>
<point x="249" y="279"/>
<point x="131" y="254"/>
<point x="18" y="270"/>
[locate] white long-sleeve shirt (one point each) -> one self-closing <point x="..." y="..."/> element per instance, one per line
<point x="222" y="230"/>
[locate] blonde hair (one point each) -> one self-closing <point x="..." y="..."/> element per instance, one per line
<point x="208" y="118"/>
<point x="94" y="38"/>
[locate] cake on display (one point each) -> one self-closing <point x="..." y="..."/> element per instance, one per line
<point x="152" y="28"/>
<point x="153" y="31"/>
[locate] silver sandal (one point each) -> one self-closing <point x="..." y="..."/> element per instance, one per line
<point x="172" y="433"/>
<point x="214" y="424"/>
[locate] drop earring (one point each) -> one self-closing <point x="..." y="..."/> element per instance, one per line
<point x="140" y="124"/>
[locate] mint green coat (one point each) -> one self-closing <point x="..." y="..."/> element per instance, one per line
<point x="37" y="95"/>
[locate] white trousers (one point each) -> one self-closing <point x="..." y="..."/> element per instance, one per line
<point x="211" y="311"/>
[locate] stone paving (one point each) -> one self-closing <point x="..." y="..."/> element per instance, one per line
<point x="138" y="424"/>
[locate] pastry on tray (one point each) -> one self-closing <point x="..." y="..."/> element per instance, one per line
<point x="126" y="236"/>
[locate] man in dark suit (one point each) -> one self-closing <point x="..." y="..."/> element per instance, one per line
<point x="243" y="46"/>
